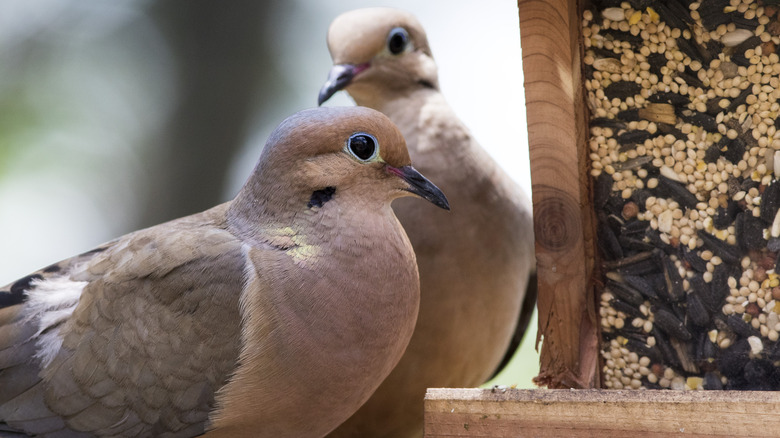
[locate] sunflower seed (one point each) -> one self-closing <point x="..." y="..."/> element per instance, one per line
<point x="671" y="325"/>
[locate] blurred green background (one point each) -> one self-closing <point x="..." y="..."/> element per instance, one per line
<point x="120" y="115"/>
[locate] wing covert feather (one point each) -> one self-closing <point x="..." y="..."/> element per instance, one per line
<point x="155" y="333"/>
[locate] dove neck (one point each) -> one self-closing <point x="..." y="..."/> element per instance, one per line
<point x="438" y="141"/>
<point x="382" y="98"/>
<point x="266" y="201"/>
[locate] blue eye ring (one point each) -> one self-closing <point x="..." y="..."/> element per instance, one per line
<point x="362" y="146"/>
<point x="397" y="40"/>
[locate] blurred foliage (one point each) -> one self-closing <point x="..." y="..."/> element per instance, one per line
<point x="222" y="58"/>
<point x="16" y="119"/>
<point x="170" y="86"/>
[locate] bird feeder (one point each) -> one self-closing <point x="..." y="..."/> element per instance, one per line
<point x="653" y="140"/>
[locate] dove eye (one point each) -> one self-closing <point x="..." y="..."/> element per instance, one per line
<point x="363" y="146"/>
<point x="397" y="40"/>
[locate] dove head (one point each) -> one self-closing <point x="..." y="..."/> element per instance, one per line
<point x="353" y="156"/>
<point x="376" y="52"/>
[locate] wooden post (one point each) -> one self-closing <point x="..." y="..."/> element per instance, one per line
<point x="563" y="218"/>
<point x="600" y="413"/>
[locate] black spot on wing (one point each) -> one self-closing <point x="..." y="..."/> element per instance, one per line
<point x="94" y="251"/>
<point x="24" y="283"/>
<point x="52" y="268"/>
<point x="320" y="197"/>
<point x="17" y="293"/>
<point x="8" y="298"/>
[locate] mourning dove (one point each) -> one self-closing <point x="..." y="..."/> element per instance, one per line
<point x="475" y="263"/>
<point x="275" y="314"/>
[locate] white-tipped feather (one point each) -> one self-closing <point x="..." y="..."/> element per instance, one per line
<point x="51" y="302"/>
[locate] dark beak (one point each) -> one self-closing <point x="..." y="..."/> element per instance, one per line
<point x="339" y="77"/>
<point x="421" y="186"/>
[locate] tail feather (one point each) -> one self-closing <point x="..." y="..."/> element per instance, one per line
<point x="6" y="432"/>
<point x="17" y="355"/>
<point x="28" y="412"/>
<point x="43" y="426"/>
<point x="22" y="405"/>
<point x="15" y="381"/>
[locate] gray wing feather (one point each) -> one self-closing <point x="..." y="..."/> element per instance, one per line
<point x="155" y="332"/>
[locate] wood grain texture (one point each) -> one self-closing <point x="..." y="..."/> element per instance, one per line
<point x="600" y="413"/>
<point x="563" y="221"/>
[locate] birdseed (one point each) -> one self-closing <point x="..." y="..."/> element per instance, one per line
<point x="684" y="99"/>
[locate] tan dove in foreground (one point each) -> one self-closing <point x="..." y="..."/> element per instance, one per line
<point x="275" y="314"/>
<point x="476" y="262"/>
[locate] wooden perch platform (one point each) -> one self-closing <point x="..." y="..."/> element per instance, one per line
<point x="600" y="413"/>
